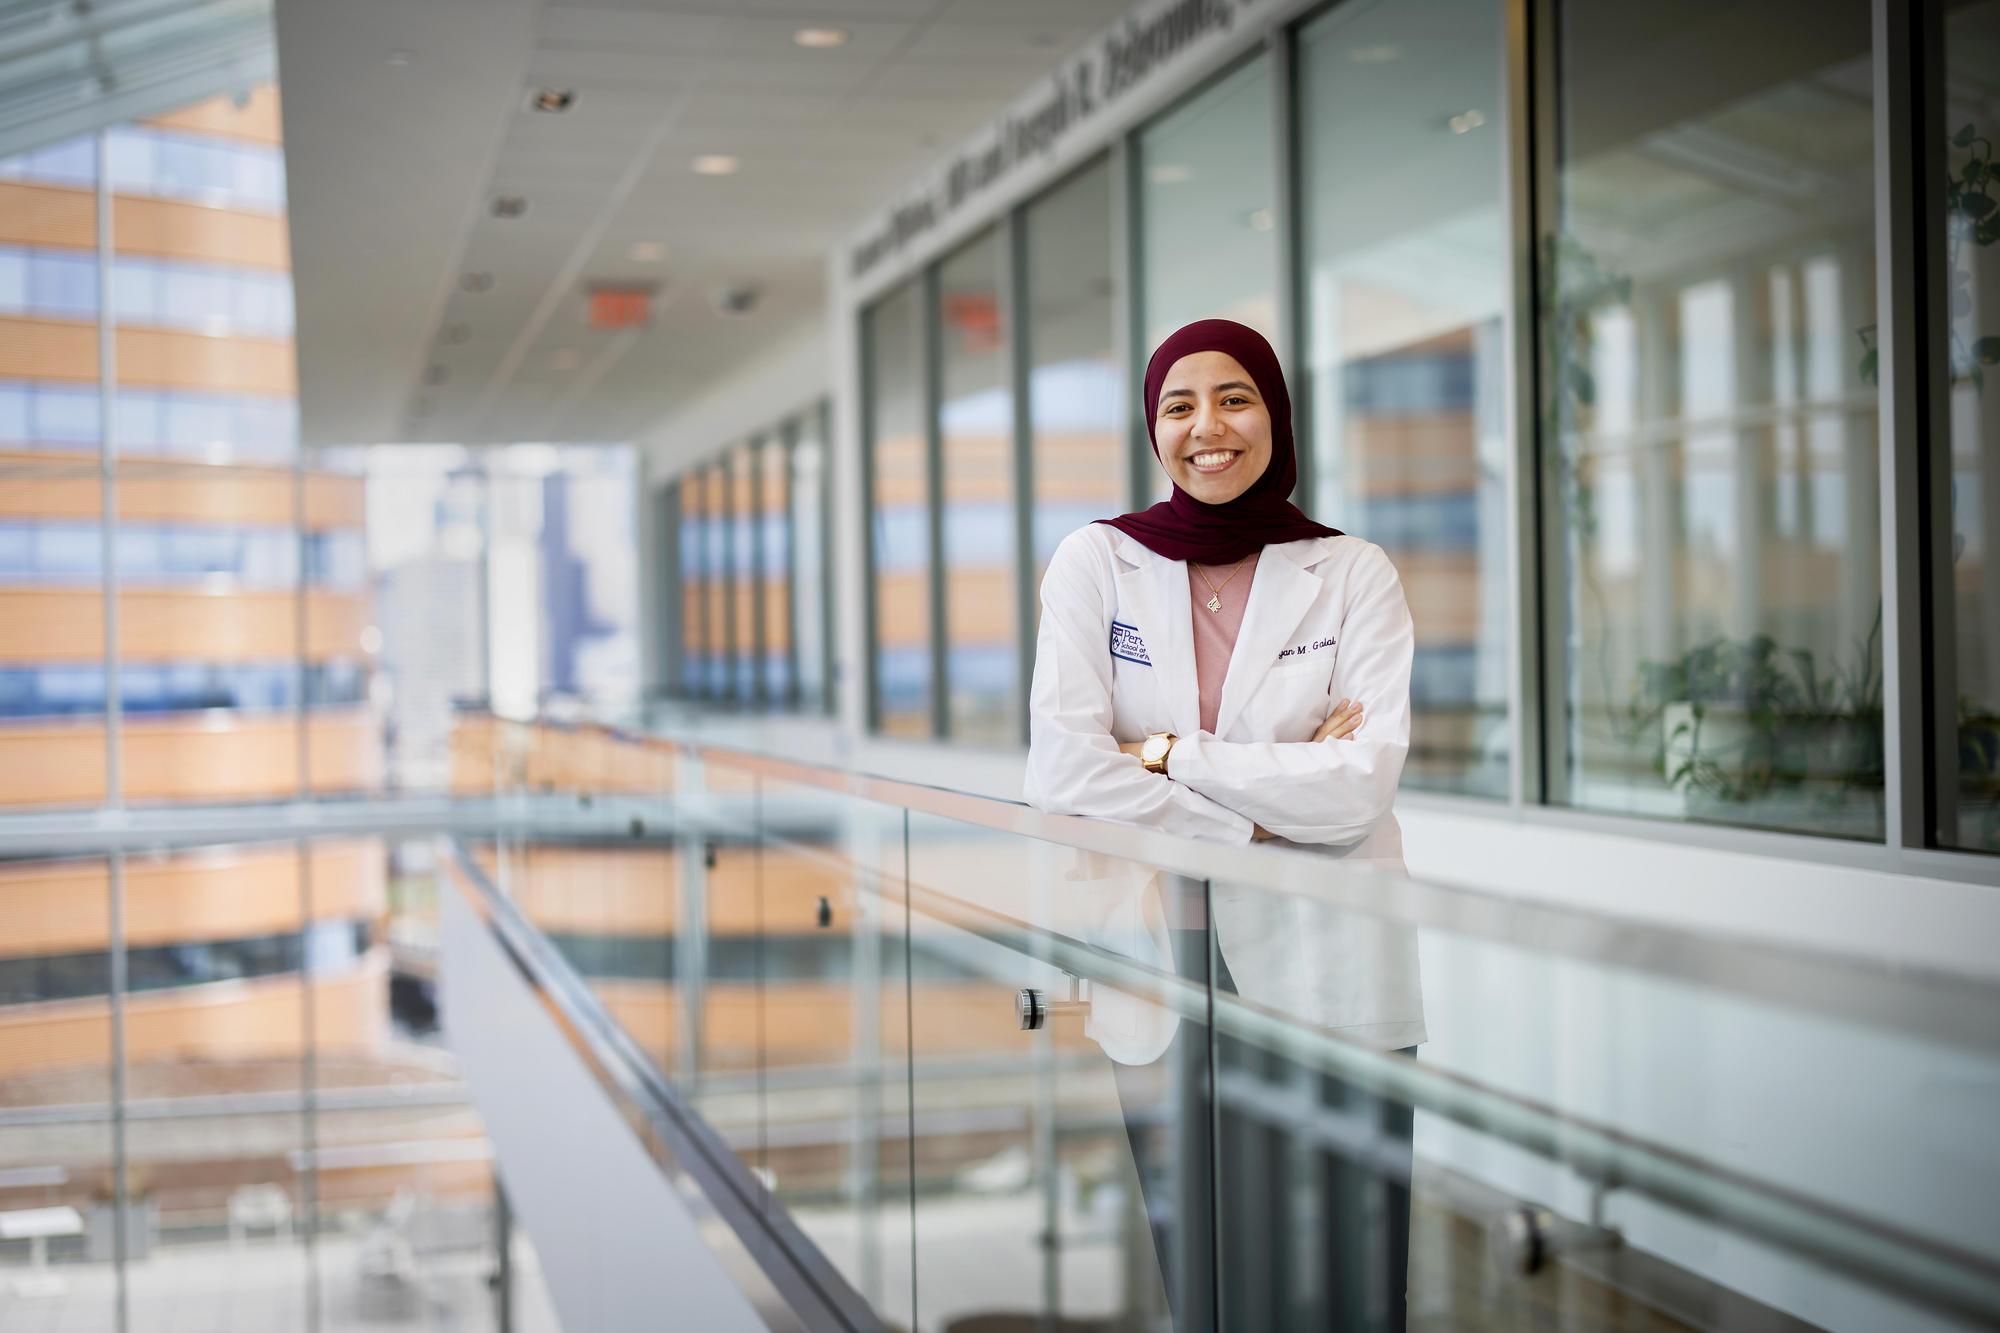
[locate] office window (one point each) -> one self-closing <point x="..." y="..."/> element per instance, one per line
<point x="1403" y="293"/>
<point x="1207" y="188"/>
<point x="1968" y="595"/>
<point x="1713" y="407"/>
<point x="746" y="576"/>
<point x="975" y="429"/>
<point x="812" y="568"/>
<point x="898" y="514"/>
<point x="774" y="541"/>
<point x="1075" y="394"/>
<point x="694" y="644"/>
<point x="715" y="566"/>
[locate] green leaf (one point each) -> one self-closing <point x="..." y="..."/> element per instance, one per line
<point x="1964" y="138"/>
<point x="1987" y="350"/>
<point x="1976" y="205"/>
<point x="1867" y="370"/>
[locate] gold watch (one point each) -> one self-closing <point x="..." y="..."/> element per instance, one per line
<point x="1156" y="749"/>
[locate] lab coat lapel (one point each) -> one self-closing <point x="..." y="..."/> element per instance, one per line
<point x="1154" y="599"/>
<point x="1281" y="592"/>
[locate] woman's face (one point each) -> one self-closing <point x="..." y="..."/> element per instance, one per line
<point x="1212" y="426"/>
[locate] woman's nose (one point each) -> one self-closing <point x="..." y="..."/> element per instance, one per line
<point x="1207" y="425"/>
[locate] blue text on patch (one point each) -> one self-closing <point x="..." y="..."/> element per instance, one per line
<point x="1126" y="643"/>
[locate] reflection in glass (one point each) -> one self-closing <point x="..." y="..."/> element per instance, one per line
<point x="1074" y="389"/>
<point x="776" y="570"/>
<point x="746" y="575"/>
<point x="1207" y="187"/>
<point x="1707" y="333"/>
<point x="898" y="520"/>
<point x="975" y="424"/>
<point x="1062" y="1172"/>
<point x="1404" y="295"/>
<point x="812" y="568"/>
<point x="1971" y="590"/>
<point x="721" y="644"/>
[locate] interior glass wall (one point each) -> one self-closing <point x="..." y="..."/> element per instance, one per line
<point x="720" y="635"/>
<point x="1969" y="595"/>
<point x="746" y="576"/>
<point x="976" y="495"/>
<point x="812" y="549"/>
<point x="1712" y="407"/>
<point x="898" y="515"/>
<point x="774" y="565"/>
<point x="1075" y="390"/>
<point x="1404" y="289"/>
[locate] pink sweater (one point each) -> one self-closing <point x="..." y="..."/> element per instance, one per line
<point x="1215" y="631"/>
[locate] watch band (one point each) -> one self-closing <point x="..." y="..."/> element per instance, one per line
<point x="1160" y="765"/>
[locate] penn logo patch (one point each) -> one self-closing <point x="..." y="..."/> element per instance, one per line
<point x="1126" y="643"/>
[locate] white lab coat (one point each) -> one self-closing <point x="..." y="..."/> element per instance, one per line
<point x="1326" y="620"/>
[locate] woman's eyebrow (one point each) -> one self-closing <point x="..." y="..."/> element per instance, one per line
<point x="1189" y="393"/>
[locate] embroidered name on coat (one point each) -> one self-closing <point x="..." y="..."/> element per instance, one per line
<point x="1126" y="643"/>
<point x="1301" y="649"/>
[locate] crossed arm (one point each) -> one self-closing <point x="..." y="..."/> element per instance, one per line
<point x="1340" y="724"/>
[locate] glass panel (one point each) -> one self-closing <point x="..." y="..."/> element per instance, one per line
<point x="1074" y="388"/>
<point x="774" y="539"/>
<point x="746" y="576"/>
<point x="975" y="421"/>
<point x="721" y="644"/>
<point x="1207" y="187"/>
<point x="1062" y="1172"/>
<point x="1404" y="295"/>
<point x="1966" y="212"/>
<point x="836" y="1032"/>
<point x="1708" y="329"/>
<point x="216" y="1034"/>
<point x="812" y="567"/>
<point x="694" y="643"/>
<point x="898" y="515"/>
<point x="56" y="1182"/>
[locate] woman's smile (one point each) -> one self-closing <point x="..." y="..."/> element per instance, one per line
<point x="1208" y="462"/>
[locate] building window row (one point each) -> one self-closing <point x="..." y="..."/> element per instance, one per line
<point x="72" y="689"/>
<point x="1669" y="487"/>
<point x="325" y="947"/>
<point x="166" y="423"/>
<point x="215" y="299"/>
<point x="167" y="164"/>
<point x="62" y="552"/>
<point x="752" y="596"/>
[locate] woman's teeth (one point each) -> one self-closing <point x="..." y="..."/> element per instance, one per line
<point x="1216" y="458"/>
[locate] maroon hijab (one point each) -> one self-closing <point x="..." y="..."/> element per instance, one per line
<point x="1184" y="528"/>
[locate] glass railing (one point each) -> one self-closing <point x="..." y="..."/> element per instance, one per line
<point x="992" y="1069"/>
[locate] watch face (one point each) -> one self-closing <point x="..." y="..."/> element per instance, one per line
<point x="1155" y="746"/>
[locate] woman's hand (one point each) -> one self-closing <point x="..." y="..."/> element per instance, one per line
<point x="1133" y="748"/>
<point x="1342" y="722"/>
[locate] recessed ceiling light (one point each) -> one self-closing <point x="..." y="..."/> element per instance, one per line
<point x="820" y="38"/>
<point x="1467" y="121"/>
<point x="555" y="101"/>
<point x="565" y="358"/>
<point x="1375" y="55"/>
<point x="647" y="252"/>
<point x="1170" y="173"/>
<point x="508" y="206"/>
<point x="716" y="164"/>
<point x="477" y="281"/>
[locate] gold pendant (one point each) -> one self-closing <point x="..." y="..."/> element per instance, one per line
<point x="1215" y="603"/>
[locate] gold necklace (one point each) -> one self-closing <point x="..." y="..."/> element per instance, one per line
<point x="1214" y="602"/>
